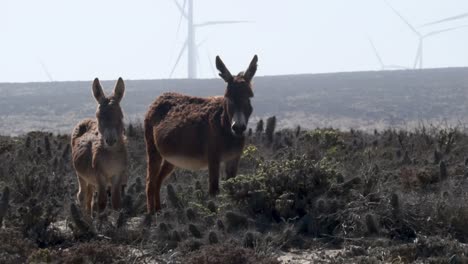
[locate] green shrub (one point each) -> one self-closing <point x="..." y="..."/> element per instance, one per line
<point x="286" y="186"/>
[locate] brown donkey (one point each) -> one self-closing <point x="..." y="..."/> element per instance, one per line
<point x="99" y="150"/>
<point x="197" y="133"/>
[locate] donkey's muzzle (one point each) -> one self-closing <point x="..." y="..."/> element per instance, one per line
<point x="110" y="142"/>
<point x="239" y="129"/>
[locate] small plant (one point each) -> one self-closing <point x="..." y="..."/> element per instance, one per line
<point x="173" y="198"/>
<point x="437" y="157"/>
<point x="259" y="128"/>
<point x="212" y="207"/>
<point x="270" y="128"/>
<point x="371" y="224"/>
<point x="395" y="202"/>
<point x="194" y="231"/>
<point x="47" y="148"/>
<point x="175" y="236"/>
<point x="213" y="238"/>
<point x="406" y="158"/>
<point x="27" y="144"/>
<point x="249" y="240"/>
<point x="220" y="225"/>
<point x="443" y="170"/>
<point x="328" y="138"/>
<point x="80" y="227"/>
<point x="235" y="221"/>
<point x="190" y="213"/>
<point x="66" y="152"/>
<point x="131" y="130"/>
<point x="4" y="204"/>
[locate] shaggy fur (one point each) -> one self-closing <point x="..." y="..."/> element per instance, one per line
<point x="99" y="151"/>
<point x="196" y="133"/>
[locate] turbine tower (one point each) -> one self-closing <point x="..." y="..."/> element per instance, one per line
<point x="190" y="42"/>
<point x="418" y="61"/>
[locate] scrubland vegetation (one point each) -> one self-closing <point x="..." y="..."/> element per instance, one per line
<point x="389" y="196"/>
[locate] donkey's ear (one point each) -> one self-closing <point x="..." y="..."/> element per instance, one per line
<point x="119" y="90"/>
<point x="97" y="91"/>
<point x="250" y="72"/>
<point x="223" y="71"/>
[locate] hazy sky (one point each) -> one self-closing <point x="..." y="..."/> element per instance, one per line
<point x="78" y="40"/>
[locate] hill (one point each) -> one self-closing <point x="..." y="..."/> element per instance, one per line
<point x="364" y="100"/>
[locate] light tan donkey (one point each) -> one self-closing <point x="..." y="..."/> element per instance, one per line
<point x="99" y="151"/>
<point x="197" y="133"/>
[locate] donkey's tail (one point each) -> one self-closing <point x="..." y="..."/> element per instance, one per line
<point x="149" y="138"/>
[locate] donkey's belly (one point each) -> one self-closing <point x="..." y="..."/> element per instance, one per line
<point x="186" y="162"/>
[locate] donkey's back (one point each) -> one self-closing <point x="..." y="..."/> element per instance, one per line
<point x="183" y="128"/>
<point x="84" y="135"/>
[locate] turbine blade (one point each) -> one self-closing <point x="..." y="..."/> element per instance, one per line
<point x="376" y="53"/>
<point x="210" y="23"/>
<point x="181" y="9"/>
<point x="46" y="71"/>
<point x="202" y="42"/>
<point x="177" y="32"/>
<point x="447" y="19"/>
<point x="178" y="58"/>
<point x="433" y="33"/>
<point x="403" y="19"/>
<point x="180" y="18"/>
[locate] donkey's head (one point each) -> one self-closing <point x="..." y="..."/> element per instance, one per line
<point x="237" y="95"/>
<point x="109" y="114"/>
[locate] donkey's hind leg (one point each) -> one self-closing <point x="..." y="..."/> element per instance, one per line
<point x="82" y="189"/>
<point x="89" y="199"/>
<point x="154" y="161"/>
<point x="166" y="169"/>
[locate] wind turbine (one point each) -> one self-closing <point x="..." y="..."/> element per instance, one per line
<point x="447" y="19"/>
<point x="384" y="66"/>
<point x="189" y="43"/>
<point x="418" y="61"/>
<point x="46" y="71"/>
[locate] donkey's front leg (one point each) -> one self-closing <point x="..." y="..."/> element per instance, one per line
<point x="213" y="173"/>
<point x="231" y="168"/>
<point x="116" y="190"/>
<point x="123" y="182"/>
<point x="102" y="193"/>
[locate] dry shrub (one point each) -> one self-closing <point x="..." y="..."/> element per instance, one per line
<point x="14" y="248"/>
<point x="227" y="254"/>
<point x="435" y="248"/>
<point x="92" y="252"/>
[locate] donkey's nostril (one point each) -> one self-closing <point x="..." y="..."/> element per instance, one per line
<point x="110" y="142"/>
<point x="239" y="128"/>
